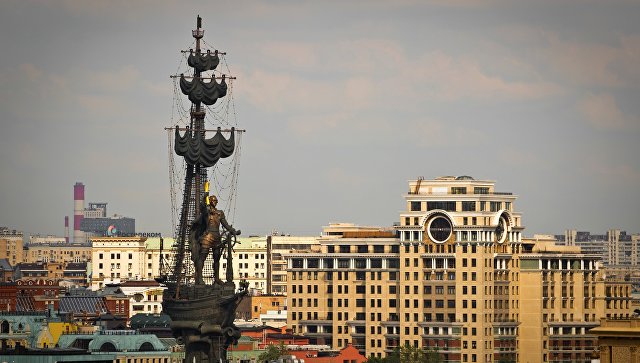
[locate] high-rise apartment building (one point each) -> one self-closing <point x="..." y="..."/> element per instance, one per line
<point x="454" y="275"/>
<point x="617" y="248"/>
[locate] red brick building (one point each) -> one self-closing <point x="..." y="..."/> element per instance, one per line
<point x="41" y="292"/>
<point x="8" y="296"/>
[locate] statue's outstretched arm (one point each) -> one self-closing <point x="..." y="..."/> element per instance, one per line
<point x="226" y="225"/>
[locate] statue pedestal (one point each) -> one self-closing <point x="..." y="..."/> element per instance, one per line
<point x="202" y="318"/>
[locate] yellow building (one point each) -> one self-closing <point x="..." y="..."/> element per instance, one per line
<point x="56" y="329"/>
<point x="564" y="293"/>
<point x="57" y="253"/>
<point x="454" y="275"/>
<point x="618" y="340"/>
<point x="11" y="245"/>
<point x="277" y="247"/>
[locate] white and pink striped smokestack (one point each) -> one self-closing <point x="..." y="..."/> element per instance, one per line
<point x="78" y="212"/>
<point x="66" y="229"/>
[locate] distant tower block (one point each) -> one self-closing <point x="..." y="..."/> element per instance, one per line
<point x="66" y="229"/>
<point x="78" y="212"/>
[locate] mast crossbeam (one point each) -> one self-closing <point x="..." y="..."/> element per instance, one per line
<point x="200" y="77"/>
<point x="206" y="130"/>
<point x="191" y="51"/>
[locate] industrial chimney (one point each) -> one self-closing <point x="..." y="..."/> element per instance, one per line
<point x="66" y="229"/>
<point x="78" y="212"/>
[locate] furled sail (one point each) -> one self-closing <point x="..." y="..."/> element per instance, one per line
<point x="197" y="150"/>
<point x="206" y="92"/>
<point x="203" y="62"/>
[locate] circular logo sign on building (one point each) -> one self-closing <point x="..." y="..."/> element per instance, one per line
<point x="439" y="229"/>
<point x="112" y="231"/>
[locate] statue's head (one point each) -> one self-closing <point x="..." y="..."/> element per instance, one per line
<point x="213" y="200"/>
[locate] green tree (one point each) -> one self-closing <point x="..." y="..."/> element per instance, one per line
<point x="373" y="359"/>
<point x="273" y="352"/>
<point x="394" y="357"/>
<point x="409" y="353"/>
<point x="433" y="356"/>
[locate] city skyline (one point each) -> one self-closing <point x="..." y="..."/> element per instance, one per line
<point x="342" y="103"/>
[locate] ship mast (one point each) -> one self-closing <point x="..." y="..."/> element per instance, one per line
<point x="199" y="153"/>
<point x="202" y="312"/>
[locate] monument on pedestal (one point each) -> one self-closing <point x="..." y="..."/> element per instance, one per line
<point x="202" y="307"/>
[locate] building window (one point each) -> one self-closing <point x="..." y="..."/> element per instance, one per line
<point x="468" y="206"/>
<point x="458" y="190"/>
<point x="449" y="206"/>
<point x="416" y="206"/>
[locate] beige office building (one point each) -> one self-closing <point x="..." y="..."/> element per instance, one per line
<point x="455" y="275"/>
<point x="249" y="264"/>
<point x="11" y="245"/>
<point x="119" y="259"/>
<point x="277" y="248"/>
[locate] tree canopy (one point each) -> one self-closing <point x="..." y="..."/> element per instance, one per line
<point x="273" y="352"/>
<point x="408" y="354"/>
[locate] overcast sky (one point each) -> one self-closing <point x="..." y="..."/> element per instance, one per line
<point x="344" y="102"/>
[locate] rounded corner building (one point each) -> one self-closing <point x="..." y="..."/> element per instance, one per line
<point x="454" y="277"/>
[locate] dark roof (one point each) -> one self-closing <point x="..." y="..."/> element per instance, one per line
<point x="76" y="266"/>
<point x="82" y="304"/>
<point x="48" y="352"/>
<point x="31" y="266"/>
<point x="143" y="320"/>
<point x="25" y="303"/>
<point x="80" y="291"/>
<point x="131" y="283"/>
<point x="108" y="317"/>
<point x="5" y="265"/>
<point x="111" y="290"/>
